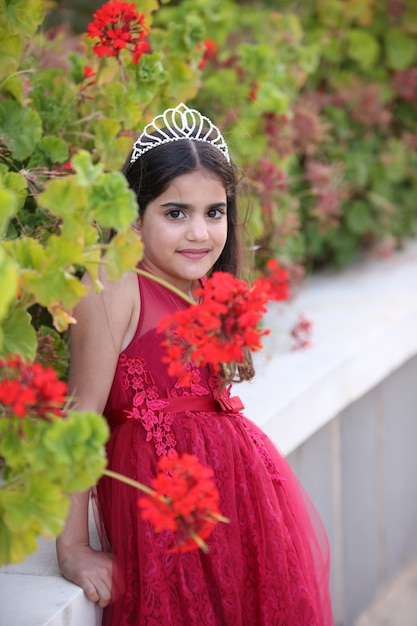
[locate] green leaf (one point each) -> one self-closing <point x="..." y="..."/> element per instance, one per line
<point x="12" y="446"/>
<point x="21" y="17"/>
<point x="19" y="336"/>
<point x="54" y="148"/>
<point x="18" y="509"/>
<point x="53" y="287"/>
<point x="77" y="63"/>
<point x="20" y="127"/>
<point x="363" y="48"/>
<point x="112" y="202"/>
<point x="17" y="184"/>
<point x="400" y="49"/>
<point x="124" y="253"/>
<point x="8" y="281"/>
<point x="150" y="69"/>
<point x="14" y="546"/>
<point x="106" y="132"/>
<point x="122" y="107"/>
<point x="13" y="85"/>
<point x="77" y="442"/>
<point x="8" y="207"/>
<point x="48" y="505"/>
<point x="112" y="149"/>
<point x="147" y="7"/>
<point x="29" y="253"/>
<point x="38" y="506"/>
<point x="63" y="253"/>
<point x="91" y="263"/>
<point x="271" y="99"/>
<point x="10" y="50"/>
<point x="76" y="228"/>
<point x="63" y="196"/>
<point x="358" y="217"/>
<point x="183" y="81"/>
<point x="87" y="173"/>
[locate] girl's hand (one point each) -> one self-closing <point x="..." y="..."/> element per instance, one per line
<point x="91" y="570"/>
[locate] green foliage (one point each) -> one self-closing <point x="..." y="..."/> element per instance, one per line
<point x="319" y="106"/>
<point x="364" y="97"/>
<point x="40" y="458"/>
<point x="67" y="122"/>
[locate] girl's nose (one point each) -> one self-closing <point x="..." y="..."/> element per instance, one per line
<point x="197" y="230"/>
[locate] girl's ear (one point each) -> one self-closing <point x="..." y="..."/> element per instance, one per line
<point x="137" y="227"/>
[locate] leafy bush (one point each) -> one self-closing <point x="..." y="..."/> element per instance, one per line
<point x="67" y="118"/>
<point x="320" y="105"/>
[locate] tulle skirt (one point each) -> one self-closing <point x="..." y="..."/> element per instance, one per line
<point x="268" y="567"/>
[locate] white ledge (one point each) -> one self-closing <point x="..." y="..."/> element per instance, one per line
<point x="364" y="322"/>
<point x="364" y="327"/>
<point x="34" y="593"/>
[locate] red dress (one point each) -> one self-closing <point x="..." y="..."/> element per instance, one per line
<point x="268" y="566"/>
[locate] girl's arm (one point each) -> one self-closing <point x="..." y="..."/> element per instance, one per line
<point x="105" y="325"/>
<point x="77" y="561"/>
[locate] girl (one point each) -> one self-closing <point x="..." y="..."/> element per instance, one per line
<point x="268" y="566"/>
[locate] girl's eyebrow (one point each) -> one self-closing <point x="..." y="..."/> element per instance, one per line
<point x="184" y="205"/>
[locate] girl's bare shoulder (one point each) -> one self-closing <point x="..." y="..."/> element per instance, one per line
<point x="103" y="325"/>
<point x="115" y="304"/>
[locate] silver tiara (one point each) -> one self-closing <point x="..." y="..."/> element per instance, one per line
<point x="175" y="124"/>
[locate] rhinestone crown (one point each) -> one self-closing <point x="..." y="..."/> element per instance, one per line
<point x="178" y="123"/>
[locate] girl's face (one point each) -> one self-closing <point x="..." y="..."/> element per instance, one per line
<point x="184" y="229"/>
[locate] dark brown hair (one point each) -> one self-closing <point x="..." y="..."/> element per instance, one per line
<point x="150" y="175"/>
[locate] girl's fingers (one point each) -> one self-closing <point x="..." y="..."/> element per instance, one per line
<point x="98" y="592"/>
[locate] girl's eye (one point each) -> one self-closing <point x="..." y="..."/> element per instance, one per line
<point x="215" y="213"/>
<point x="175" y="214"/>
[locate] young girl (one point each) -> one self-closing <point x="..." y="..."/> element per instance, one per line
<point x="269" y="565"/>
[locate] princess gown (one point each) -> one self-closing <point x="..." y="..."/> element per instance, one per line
<point x="268" y="566"/>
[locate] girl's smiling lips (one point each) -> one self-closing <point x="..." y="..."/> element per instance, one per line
<point x="194" y="253"/>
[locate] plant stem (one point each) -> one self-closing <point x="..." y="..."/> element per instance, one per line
<point x="200" y="542"/>
<point x="163" y="282"/>
<point x="129" y="481"/>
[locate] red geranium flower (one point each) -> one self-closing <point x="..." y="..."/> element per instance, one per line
<point x="118" y="25"/>
<point x="253" y="91"/>
<point x="185" y="500"/>
<point x="302" y="333"/>
<point x="28" y="389"/>
<point x="226" y="321"/>
<point x="89" y="73"/>
<point x="274" y="283"/>
<point x="209" y="52"/>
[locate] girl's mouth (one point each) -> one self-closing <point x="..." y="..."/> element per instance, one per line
<point x="194" y="253"/>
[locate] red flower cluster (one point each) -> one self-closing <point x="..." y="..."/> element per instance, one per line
<point x="253" y="92"/>
<point x="274" y="283"/>
<point x="89" y="74"/>
<point x="302" y="333"/>
<point x="209" y="52"/>
<point x="29" y="389"/>
<point x="118" y="25"/>
<point x="185" y="501"/>
<point x="227" y="320"/>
